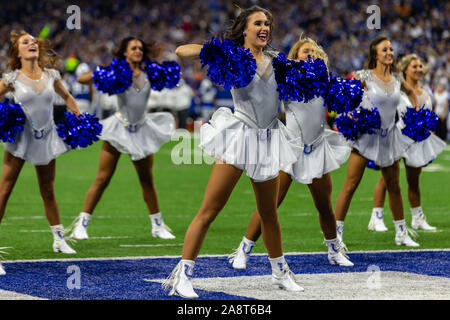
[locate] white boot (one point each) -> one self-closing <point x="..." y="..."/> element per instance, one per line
<point x="376" y="222"/>
<point x="159" y="229"/>
<point x="81" y="225"/>
<point x="178" y="282"/>
<point x="282" y="276"/>
<point x="2" y="270"/>
<point x="402" y="234"/>
<point x="59" y="243"/>
<point x="240" y="257"/>
<point x="419" y="221"/>
<point x="336" y="254"/>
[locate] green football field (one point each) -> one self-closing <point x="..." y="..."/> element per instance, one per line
<point x="121" y="227"/>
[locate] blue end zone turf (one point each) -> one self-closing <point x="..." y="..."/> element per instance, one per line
<point x="124" y="279"/>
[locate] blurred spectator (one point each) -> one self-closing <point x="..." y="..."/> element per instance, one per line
<point x="415" y="26"/>
<point x="207" y="95"/>
<point x="441" y="109"/>
<point x="182" y="100"/>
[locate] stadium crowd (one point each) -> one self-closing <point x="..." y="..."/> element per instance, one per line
<point x="416" y="26"/>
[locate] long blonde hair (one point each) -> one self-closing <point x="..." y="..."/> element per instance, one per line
<point x="319" y="53"/>
<point x="47" y="57"/>
<point x="404" y="63"/>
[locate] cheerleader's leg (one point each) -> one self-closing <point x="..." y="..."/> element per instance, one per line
<point x="391" y="176"/>
<point x="321" y="192"/>
<point x="144" y="170"/>
<point x="221" y="183"/>
<point x="355" y="171"/>
<point x="266" y="194"/>
<point x="376" y="222"/>
<point x="109" y="157"/>
<point x="46" y="179"/>
<point x="10" y="172"/>
<point x="379" y="193"/>
<point x="254" y="227"/>
<point x="412" y="177"/>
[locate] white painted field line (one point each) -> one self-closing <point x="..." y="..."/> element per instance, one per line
<point x="208" y="256"/>
<point x="151" y="245"/>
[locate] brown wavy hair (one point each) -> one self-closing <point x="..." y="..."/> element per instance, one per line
<point x="371" y="62"/>
<point x="47" y="57"/>
<point x="236" y="31"/>
<point x="151" y="50"/>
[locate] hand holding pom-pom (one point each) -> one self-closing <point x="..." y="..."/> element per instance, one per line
<point x="300" y="81"/>
<point x="79" y="131"/>
<point x="343" y="95"/>
<point x="12" y="121"/>
<point x="419" y="123"/>
<point x="228" y="65"/>
<point x="163" y="76"/>
<point x="356" y="123"/>
<point x="113" y="79"/>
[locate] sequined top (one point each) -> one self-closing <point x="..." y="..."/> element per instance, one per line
<point x="385" y="96"/>
<point x="132" y="104"/>
<point x="308" y="118"/>
<point x="34" y="96"/>
<point x="257" y="104"/>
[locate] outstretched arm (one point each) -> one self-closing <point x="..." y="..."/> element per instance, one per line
<point x="85" y="78"/>
<point x="67" y="97"/>
<point x="189" y="51"/>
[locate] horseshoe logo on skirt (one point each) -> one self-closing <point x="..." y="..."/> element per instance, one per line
<point x="39" y="135"/>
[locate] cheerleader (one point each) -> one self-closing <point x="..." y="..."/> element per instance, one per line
<point x="416" y="156"/>
<point x="323" y="151"/>
<point x="132" y="131"/>
<point x="387" y="146"/>
<point x="33" y="82"/>
<point x="251" y="139"/>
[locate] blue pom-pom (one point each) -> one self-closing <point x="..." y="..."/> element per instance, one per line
<point x="354" y="124"/>
<point x="79" y="131"/>
<point x="113" y="79"/>
<point x="372" y="165"/>
<point x="419" y="123"/>
<point x="228" y="65"/>
<point x="343" y="95"/>
<point x="163" y="76"/>
<point x="300" y="81"/>
<point x="12" y="121"/>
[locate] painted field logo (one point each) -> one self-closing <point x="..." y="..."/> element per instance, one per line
<point x="74" y="281"/>
<point x="374" y="281"/>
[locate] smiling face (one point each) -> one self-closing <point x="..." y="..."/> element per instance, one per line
<point x="415" y="70"/>
<point x="385" y="53"/>
<point x="27" y="47"/>
<point x="257" y="31"/>
<point x="307" y="49"/>
<point x="135" y="51"/>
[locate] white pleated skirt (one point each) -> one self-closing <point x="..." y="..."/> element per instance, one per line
<point x="261" y="153"/>
<point x="141" y="140"/>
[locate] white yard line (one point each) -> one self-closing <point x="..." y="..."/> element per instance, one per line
<point x="206" y="255"/>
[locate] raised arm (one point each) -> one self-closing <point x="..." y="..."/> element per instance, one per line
<point x="189" y="51"/>
<point x="67" y="97"/>
<point x="85" y="78"/>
